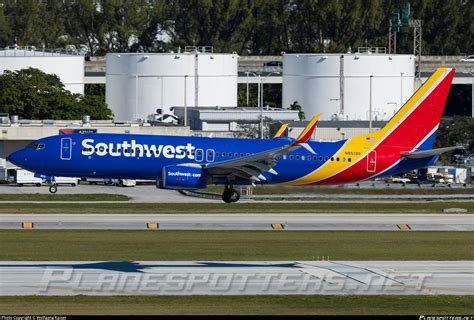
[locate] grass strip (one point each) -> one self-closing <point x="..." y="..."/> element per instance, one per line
<point x="81" y="245"/>
<point x="242" y="305"/>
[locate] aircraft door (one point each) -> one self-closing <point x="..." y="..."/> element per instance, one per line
<point x="372" y="161"/>
<point x="199" y="155"/>
<point x="66" y="148"/>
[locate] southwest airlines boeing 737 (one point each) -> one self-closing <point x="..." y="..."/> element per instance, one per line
<point x="178" y="162"/>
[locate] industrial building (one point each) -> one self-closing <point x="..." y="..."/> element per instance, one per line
<point x="228" y="119"/>
<point x="348" y="86"/>
<point x="142" y="85"/>
<point x="66" y="64"/>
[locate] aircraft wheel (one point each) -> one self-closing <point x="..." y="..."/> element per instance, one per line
<point x="230" y="195"/>
<point x="234" y="196"/>
<point x="226" y="196"/>
<point x="53" y="189"/>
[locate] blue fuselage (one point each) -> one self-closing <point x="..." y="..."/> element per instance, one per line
<point x="128" y="156"/>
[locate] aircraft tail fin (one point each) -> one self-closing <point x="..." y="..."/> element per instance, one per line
<point x="305" y="136"/>
<point x="282" y="132"/>
<point x="415" y="125"/>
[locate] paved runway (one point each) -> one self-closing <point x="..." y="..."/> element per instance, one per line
<point x="236" y="278"/>
<point x="150" y="194"/>
<point x="223" y="221"/>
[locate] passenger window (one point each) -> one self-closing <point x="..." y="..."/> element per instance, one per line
<point x="297" y="157"/>
<point x="291" y="157"/>
<point x="332" y="158"/>
<point x="284" y="157"/>
<point x="337" y="159"/>
<point x="236" y="154"/>
<point x="320" y="158"/>
<point x="349" y="159"/>
<point x="217" y="154"/>
<point x="326" y="158"/>
<point x="343" y="159"/>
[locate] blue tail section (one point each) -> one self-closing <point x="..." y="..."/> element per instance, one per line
<point x="428" y="143"/>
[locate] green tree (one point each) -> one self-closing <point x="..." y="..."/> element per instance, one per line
<point x="221" y="24"/>
<point x="457" y="131"/>
<point x="246" y="26"/>
<point x="33" y="94"/>
<point x="33" y="23"/>
<point x="5" y="29"/>
<point x="86" y="24"/>
<point x="296" y="106"/>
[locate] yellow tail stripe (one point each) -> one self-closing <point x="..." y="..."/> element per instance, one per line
<point x="281" y="130"/>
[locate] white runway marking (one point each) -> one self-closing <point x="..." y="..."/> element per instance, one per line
<point x="236" y="278"/>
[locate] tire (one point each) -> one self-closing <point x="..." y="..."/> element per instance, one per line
<point x="230" y="196"/>
<point x="234" y="196"/>
<point x="53" y="189"/>
<point x="38" y="184"/>
<point x="73" y="184"/>
<point x="226" y="196"/>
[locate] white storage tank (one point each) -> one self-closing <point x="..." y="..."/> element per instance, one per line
<point x="139" y="84"/>
<point x="67" y="66"/>
<point x="339" y="85"/>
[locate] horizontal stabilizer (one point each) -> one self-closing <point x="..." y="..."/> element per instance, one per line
<point x="429" y="153"/>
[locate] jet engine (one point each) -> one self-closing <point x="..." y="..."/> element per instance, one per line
<point x="183" y="177"/>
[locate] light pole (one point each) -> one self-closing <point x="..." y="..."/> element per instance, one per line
<point x="370" y="105"/>
<point x="247" y="73"/>
<point x="401" y="88"/>
<point x="261" y="96"/>
<point x="185" y="102"/>
<point x="258" y="85"/>
<point x="136" y="97"/>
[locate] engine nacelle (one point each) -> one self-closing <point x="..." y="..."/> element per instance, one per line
<point x="183" y="177"/>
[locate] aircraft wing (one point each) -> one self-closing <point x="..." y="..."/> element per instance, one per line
<point x="252" y="166"/>
<point x="429" y="153"/>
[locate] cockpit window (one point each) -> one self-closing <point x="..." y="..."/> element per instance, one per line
<point x="35" y="146"/>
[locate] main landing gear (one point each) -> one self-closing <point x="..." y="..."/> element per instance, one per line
<point x="230" y="194"/>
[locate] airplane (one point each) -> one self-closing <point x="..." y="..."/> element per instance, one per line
<point x="180" y="162"/>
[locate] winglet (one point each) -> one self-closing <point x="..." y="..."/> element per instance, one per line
<point x="305" y="136"/>
<point x="282" y="132"/>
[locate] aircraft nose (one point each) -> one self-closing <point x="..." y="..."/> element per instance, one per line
<point x="16" y="158"/>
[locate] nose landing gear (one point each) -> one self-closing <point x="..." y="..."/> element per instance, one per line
<point x="230" y="194"/>
<point x="53" y="188"/>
